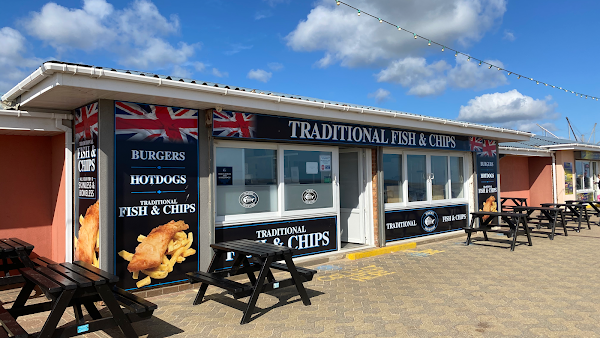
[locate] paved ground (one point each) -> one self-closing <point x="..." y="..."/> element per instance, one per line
<point x="443" y="289"/>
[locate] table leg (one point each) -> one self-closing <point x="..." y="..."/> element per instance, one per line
<point x="527" y="232"/>
<point x="58" y="309"/>
<point x="257" y="290"/>
<point x="211" y="268"/>
<point x="23" y="296"/>
<point x="297" y="281"/>
<point x="92" y="310"/>
<point x="78" y="313"/>
<point x="24" y="258"/>
<point x="470" y="232"/>
<point x="117" y="313"/>
<point x="587" y="218"/>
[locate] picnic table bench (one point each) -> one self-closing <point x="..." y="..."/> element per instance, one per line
<point x="595" y="209"/>
<point x="517" y="201"/>
<point x="73" y="285"/>
<point x="14" y="254"/>
<point x="512" y="220"/>
<point x="251" y="256"/>
<point x="551" y="214"/>
<point x="576" y="210"/>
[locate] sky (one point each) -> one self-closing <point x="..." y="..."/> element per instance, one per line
<point x="320" y="50"/>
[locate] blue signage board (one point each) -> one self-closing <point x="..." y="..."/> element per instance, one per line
<point x="239" y="125"/>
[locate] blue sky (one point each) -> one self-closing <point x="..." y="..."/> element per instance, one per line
<point x="318" y="49"/>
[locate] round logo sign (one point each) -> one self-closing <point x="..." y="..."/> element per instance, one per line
<point x="248" y="199"/>
<point x="309" y="196"/>
<point x="429" y="220"/>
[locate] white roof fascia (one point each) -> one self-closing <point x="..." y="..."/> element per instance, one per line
<point x="23" y="113"/>
<point x="524" y="151"/>
<point x="572" y="146"/>
<point x="443" y="125"/>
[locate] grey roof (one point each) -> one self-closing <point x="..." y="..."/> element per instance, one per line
<point x="538" y="142"/>
<point x="266" y="92"/>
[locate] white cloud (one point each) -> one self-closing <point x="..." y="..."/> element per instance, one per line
<point x="259" y="75"/>
<point x="274" y="3"/>
<point x="218" y="73"/>
<point x="511" y="109"/>
<point x="199" y="66"/>
<point x="14" y="66"/>
<point x="137" y="34"/>
<point x="508" y="35"/>
<point x="354" y="41"/>
<point x="259" y="15"/>
<point x="380" y="95"/>
<point x="275" y="66"/>
<point x="424" y="79"/>
<point x="236" y="48"/>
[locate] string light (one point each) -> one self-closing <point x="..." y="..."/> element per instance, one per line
<point x="490" y="67"/>
<point x="338" y="2"/>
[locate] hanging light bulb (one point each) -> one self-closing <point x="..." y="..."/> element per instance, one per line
<point x="499" y="68"/>
<point x="359" y="12"/>
<point x="519" y="77"/>
<point x="399" y="28"/>
<point x="456" y="54"/>
<point x="480" y="63"/>
<point x="586" y="96"/>
<point x="531" y="78"/>
<point x="429" y="43"/>
<point x="415" y="35"/>
<point x="469" y="58"/>
<point x="509" y="73"/>
<point x="537" y="82"/>
<point x="546" y="84"/>
<point x="380" y="21"/>
<point x="442" y="48"/>
<point x="490" y="67"/>
<point x="337" y="3"/>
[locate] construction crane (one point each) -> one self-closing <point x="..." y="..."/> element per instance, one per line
<point x="576" y="132"/>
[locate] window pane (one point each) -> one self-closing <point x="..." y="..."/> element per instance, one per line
<point x="439" y="183"/>
<point x="582" y="169"/>
<point x="456" y="177"/>
<point x="392" y="178"/>
<point x="417" y="183"/>
<point x="246" y="181"/>
<point x="308" y="179"/>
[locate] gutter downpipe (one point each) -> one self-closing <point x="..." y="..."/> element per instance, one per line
<point x="554" y="195"/>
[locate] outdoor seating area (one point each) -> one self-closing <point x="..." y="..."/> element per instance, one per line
<point x="519" y="214"/>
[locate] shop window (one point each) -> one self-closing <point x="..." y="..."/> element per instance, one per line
<point x="439" y="179"/>
<point x="392" y="178"/>
<point x="584" y="180"/>
<point x="308" y="182"/>
<point x="457" y="180"/>
<point x="428" y="178"/>
<point x="246" y="180"/>
<point x="416" y="174"/>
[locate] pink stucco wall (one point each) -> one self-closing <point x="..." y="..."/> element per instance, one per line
<point x="540" y="180"/>
<point x="32" y="192"/>
<point x="561" y="158"/>
<point x="514" y="177"/>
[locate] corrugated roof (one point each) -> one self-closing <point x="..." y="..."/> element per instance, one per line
<point x="266" y="92"/>
<point x="538" y="142"/>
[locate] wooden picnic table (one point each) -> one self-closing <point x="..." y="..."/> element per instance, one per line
<point x="517" y="201"/>
<point x="575" y="209"/>
<point x="14" y="254"/>
<point x="263" y="258"/>
<point x="74" y="284"/>
<point x="594" y="206"/>
<point x="551" y="215"/>
<point x="511" y="219"/>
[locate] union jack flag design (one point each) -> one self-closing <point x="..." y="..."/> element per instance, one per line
<point x="144" y="122"/>
<point x="489" y="149"/>
<point x="232" y="124"/>
<point x="86" y="122"/>
<point x="476" y="143"/>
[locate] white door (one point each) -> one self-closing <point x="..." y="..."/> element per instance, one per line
<point x="352" y="227"/>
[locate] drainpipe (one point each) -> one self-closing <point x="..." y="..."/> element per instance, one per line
<point x="554" y="197"/>
<point x="68" y="189"/>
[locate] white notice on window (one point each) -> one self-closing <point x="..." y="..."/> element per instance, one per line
<point x="312" y="168"/>
<point x="325" y="162"/>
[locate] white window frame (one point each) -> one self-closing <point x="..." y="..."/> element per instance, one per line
<point x="429" y="201"/>
<point x="280" y="214"/>
<point x="590" y="181"/>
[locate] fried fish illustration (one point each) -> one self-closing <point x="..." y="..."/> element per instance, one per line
<point x="88" y="234"/>
<point x="148" y="254"/>
<point x="490" y="205"/>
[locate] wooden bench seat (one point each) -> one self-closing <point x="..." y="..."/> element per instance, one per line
<point x="10" y="327"/>
<point x="238" y="290"/>
<point x="307" y="274"/>
<point x="134" y="304"/>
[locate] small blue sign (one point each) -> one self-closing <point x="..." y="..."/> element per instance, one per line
<point x="83" y="328"/>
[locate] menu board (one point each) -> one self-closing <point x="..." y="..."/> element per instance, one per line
<point x="156" y="177"/>
<point x="86" y="229"/>
<point x="485" y="158"/>
<point x="568" y="178"/>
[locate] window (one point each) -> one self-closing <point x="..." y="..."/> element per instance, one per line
<point x="427" y="178"/>
<point x="257" y="181"/>
<point x="584" y="180"/>
<point x="246" y="181"/>
<point x="308" y="180"/>
<point x="392" y="180"/>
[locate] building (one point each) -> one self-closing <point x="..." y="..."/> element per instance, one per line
<point x="558" y="170"/>
<point x="319" y="176"/>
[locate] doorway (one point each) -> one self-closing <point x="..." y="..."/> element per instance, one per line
<point x="353" y="183"/>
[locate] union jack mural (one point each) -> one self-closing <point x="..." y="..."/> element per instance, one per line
<point x="476" y="143"/>
<point x="144" y="122"/>
<point x="489" y="149"/>
<point x="86" y="122"/>
<point x="232" y="124"/>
